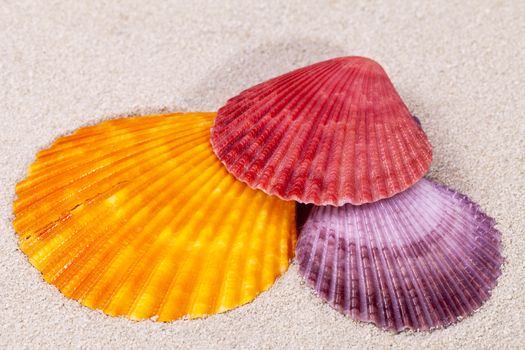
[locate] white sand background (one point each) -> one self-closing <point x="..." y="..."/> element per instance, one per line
<point x="459" y="66"/>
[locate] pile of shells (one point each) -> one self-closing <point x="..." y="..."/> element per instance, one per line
<point x="156" y="217"/>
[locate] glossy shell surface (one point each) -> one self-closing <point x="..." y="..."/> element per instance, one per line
<point x="138" y="218"/>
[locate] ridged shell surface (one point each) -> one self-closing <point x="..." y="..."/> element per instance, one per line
<point x="137" y="217"/>
<point x="422" y="259"/>
<point x="334" y="132"/>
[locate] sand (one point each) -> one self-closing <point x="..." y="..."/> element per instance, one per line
<point x="459" y="66"/>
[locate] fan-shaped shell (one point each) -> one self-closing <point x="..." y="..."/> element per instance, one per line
<point x="137" y="217"/>
<point x="334" y="132"/>
<point x="422" y="259"/>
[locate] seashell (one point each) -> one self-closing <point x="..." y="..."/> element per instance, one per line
<point x="425" y="258"/>
<point x="137" y="217"/>
<point x="334" y="132"/>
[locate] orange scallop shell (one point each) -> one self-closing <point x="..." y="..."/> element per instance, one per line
<point x="137" y="217"/>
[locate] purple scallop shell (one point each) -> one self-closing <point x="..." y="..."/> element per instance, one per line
<point x="422" y="259"/>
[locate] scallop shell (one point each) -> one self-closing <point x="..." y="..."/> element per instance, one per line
<point x="334" y="132"/>
<point x="422" y="259"/>
<point x="137" y="217"/>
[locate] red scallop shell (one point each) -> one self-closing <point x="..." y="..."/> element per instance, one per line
<point x="334" y="132"/>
